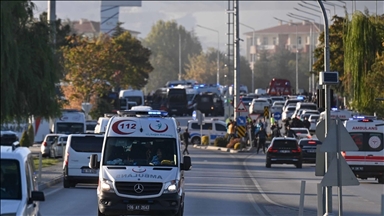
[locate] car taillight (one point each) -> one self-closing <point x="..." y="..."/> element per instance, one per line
<point x="298" y="150"/>
<point x="272" y="150"/>
<point x="343" y="154"/>
<point x="44" y="143"/>
<point x="66" y="159"/>
<point x="312" y="142"/>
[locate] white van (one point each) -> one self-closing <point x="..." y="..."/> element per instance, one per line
<point x="101" y="124"/>
<point x="19" y="193"/>
<point x="141" y="165"/>
<point x="77" y="152"/>
<point x="71" y="122"/>
<point x="212" y="128"/>
<point x="368" y="161"/>
<point x="133" y="95"/>
<point x="343" y="115"/>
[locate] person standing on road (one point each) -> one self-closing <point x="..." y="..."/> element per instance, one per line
<point x="186" y="137"/>
<point x="262" y="138"/>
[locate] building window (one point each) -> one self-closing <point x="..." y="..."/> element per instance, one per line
<point x="265" y="41"/>
<point x="274" y="41"/>
<point x="299" y="40"/>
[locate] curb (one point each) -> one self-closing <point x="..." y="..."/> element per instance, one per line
<point x="54" y="181"/>
<point x="222" y="149"/>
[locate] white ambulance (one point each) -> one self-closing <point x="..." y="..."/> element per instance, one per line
<point x="71" y="121"/>
<point x="212" y="128"/>
<point x="368" y="135"/>
<point x="141" y="165"/>
<point x="342" y="114"/>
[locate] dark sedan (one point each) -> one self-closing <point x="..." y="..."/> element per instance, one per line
<point x="308" y="147"/>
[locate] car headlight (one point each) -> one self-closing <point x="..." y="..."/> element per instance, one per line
<point x="171" y="187"/>
<point x="106" y="185"/>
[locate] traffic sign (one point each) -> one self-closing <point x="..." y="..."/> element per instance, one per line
<point x="337" y="133"/>
<point x="254" y="116"/>
<point x="241" y="131"/>
<point x="330" y="178"/>
<point x="194" y="115"/>
<point x="266" y="111"/>
<point x="241" y="107"/>
<point x="277" y="115"/>
<point x="241" y="121"/>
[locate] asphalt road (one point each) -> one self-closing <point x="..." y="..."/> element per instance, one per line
<point x="221" y="183"/>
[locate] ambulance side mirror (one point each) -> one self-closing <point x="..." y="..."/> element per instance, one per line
<point x="186" y="165"/>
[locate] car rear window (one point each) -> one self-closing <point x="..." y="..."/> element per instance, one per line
<point x="301" y="131"/>
<point x="309" y="142"/>
<point x="284" y="144"/>
<point x="8" y="139"/>
<point x="87" y="144"/>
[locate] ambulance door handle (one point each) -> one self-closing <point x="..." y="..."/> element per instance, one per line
<point x="370" y="155"/>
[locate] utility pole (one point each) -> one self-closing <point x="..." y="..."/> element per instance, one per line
<point x="230" y="52"/>
<point x="236" y="75"/>
<point x="51" y="16"/>
<point x="179" y="57"/>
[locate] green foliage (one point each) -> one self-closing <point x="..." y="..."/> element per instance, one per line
<point x="102" y="106"/>
<point x="119" y="30"/>
<point x="220" y="142"/>
<point x="163" y="41"/>
<point x="25" y="141"/>
<point x="31" y="134"/>
<point x="29" y="67"/>
<point x="362" y="43"/>
<point x="93" y="65"/>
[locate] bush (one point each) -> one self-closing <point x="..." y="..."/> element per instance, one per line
<point x="25" y="141"/>
<point x="205" y="140"/>
<point x="31" y="134"/>
<point x="220" y="142"/>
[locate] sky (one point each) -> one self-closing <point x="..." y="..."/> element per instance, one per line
<point x="211" y="14"/>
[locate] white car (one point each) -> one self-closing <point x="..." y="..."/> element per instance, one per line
<point x="45" y="147"/>
<point x="58" y="146"/>
<point x="277" y="106"/>
<point x="258" y="105"/>
<point x="288" y="111"/>
<point x="313" y="119"/>
<point x="302" y="133"/>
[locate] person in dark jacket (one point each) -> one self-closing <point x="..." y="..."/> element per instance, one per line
<point x="262" y="138"/>
<point x="186" y="137"/>
<point x="291" y="133"/>
<point x="306" y="123"/>
<point x="276" y="130"/>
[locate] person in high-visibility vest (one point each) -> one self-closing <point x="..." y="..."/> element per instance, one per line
<point x="273" y="119"/>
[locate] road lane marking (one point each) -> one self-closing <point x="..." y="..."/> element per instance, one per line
<point x="53" y="191"/>
<point x="257" y="185"/>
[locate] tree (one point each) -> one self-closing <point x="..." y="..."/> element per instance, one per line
<point x="94" y="66"/>
<point x="29" y="68"/>
<point x="163" y="41"/>
<point x="362" y="43"/>
<point x="25" y="141"/>
<point x="31" y="134"/>
<point x="118" y="30"/>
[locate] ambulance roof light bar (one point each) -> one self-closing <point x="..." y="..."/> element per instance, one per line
<point x="143" y="113"/>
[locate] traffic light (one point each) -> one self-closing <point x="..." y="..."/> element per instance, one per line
<point x="321" y="100"/>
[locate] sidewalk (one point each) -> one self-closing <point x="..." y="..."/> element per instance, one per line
<point x="50" y="175"/>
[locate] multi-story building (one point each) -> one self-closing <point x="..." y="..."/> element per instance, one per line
<point x="91" y="28"/>
<point x="283" y="36"/>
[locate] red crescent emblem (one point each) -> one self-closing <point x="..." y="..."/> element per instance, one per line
<point x="116" y="129"/>
<point x="159" y="131"/>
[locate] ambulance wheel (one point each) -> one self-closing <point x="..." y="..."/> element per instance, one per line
<point x="99" y="213"/>
<point x="381" y="179"/>
<point x="196" y="140"/>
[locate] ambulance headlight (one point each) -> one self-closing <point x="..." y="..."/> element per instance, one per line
<point x="106" y="185"/>
<point x="171" y="187"/>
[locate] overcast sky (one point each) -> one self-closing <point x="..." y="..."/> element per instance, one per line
<point x="211" y="14"/>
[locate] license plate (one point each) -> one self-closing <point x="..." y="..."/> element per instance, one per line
<point x="311" y="151"/>
<point x="92" y="171"/>
<point x="357" y="168"/>
<point x="285" y="151"/>
<point x="174" y="110"/>
<point x="138" y="207"/>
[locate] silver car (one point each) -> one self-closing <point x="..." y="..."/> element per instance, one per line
<point x="58" y="146"/>
<point x="46" y="144"/>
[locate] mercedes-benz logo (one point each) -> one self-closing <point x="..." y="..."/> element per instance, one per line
<point x="138" y="188"/>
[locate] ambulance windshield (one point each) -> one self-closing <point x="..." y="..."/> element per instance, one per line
<point x="140" y="151"/>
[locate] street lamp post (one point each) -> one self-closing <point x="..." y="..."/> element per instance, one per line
<point x="313" y="9"/>
<point x="253" y="55"/>
<point x="297" y="56"/>
<point x="309" y="13"/>
<point x="311" y="47"/>
<point x="218" y="52"/>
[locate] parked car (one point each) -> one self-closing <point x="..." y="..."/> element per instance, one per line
<point x="288" y="111"/>
<point x="284" y="150"/>
<point x="313" y="119"/>
<point x="308" y="147"/>
<point x="257" y="106"/>
<point x="58" y="146"/>
<point x="45" y="147"/>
